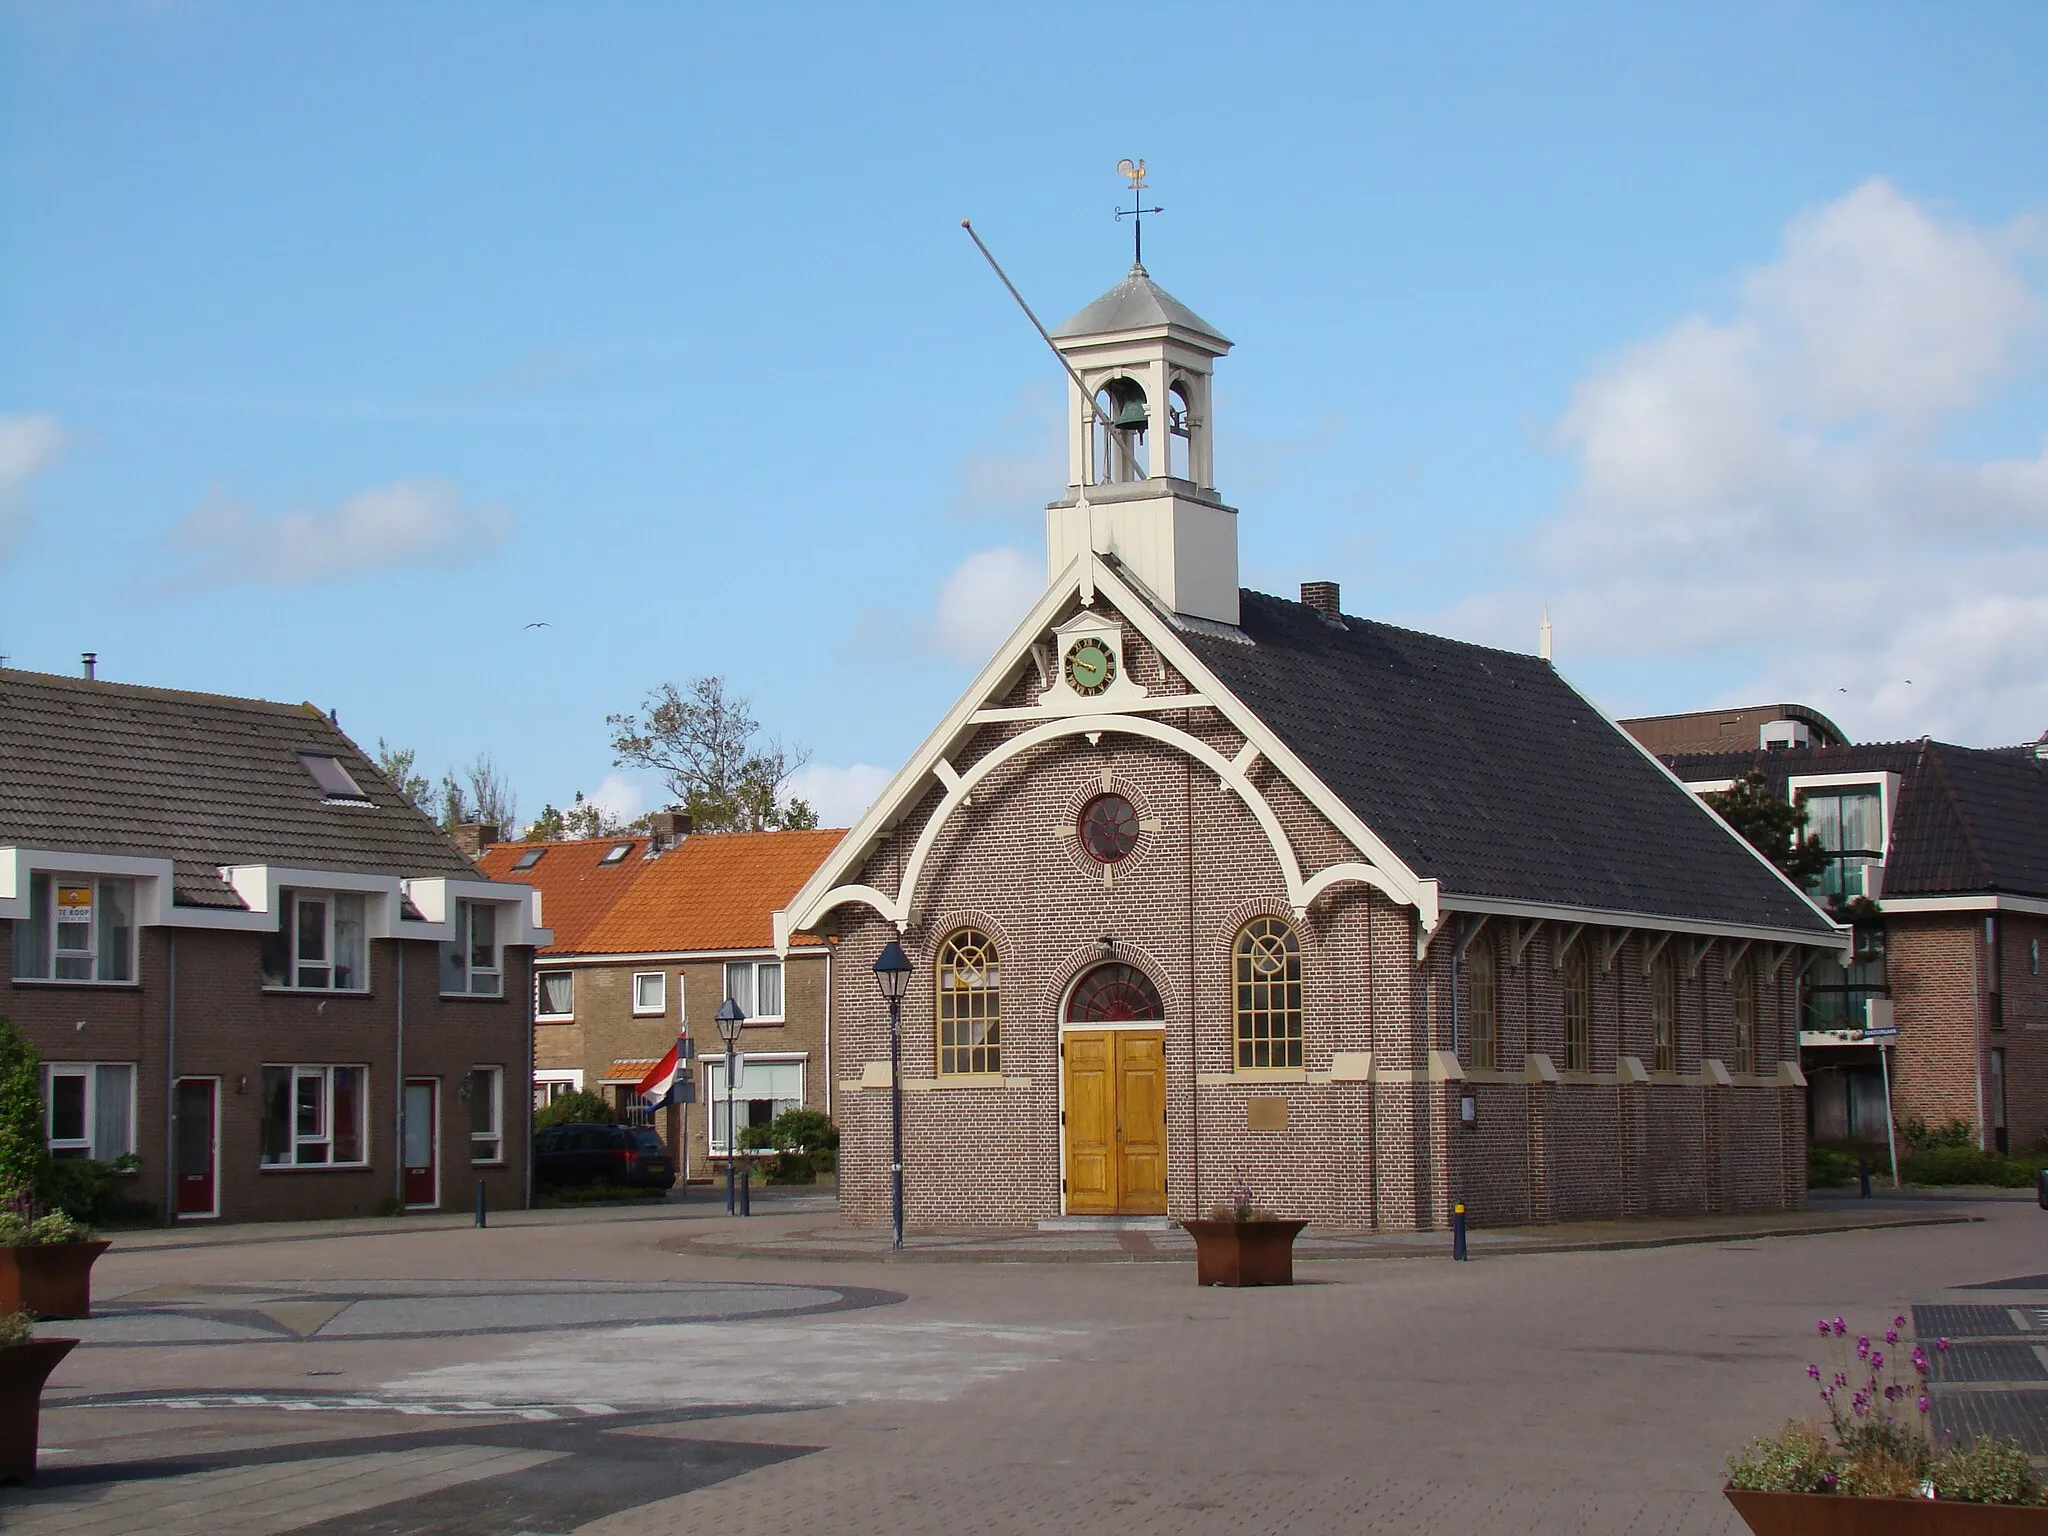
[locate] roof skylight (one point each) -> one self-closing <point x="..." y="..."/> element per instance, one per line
<point x="529" y="858"/>
<point x="333" y="778"/>
<point x="618" y="852"/>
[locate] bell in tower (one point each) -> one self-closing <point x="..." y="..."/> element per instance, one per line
<point x="1141" y="465"/>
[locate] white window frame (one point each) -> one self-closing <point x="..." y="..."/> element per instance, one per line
<point x="753" y="970"/>
<point x="324" y="1073"/>
<point x="50" y="881"/>
<point x="715" y="1100"/>
<point x="540" y="1013"/>
<point x="1887" y="796"/>
<point x="660" y="1008"/>
<point x="567" y="1079"/>
<point x="494" y="1086"/>
<point x="296" y="965"/>
<point x="464" y="943"/>
<point x="87" y="1145"/>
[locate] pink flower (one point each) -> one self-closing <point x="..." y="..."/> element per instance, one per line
<point x="1941" y="1345"/>
<point x="1813" y="1371"/>
<point x="1824" y="1328"/>
<point x="1899" y="1321"/>
<point x="1877" y="1360"/>
<point x="1891" y="1335"/>
<point x="1840" y="1327"/>
<point x="1862" y="1346"/>
<point x="1925" y="1404"/>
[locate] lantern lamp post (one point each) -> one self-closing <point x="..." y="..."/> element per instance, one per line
<point x="730" y="1019"/>
<point x="892" y="975"/>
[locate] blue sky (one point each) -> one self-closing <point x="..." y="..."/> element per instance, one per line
<point x="338" y="343"/>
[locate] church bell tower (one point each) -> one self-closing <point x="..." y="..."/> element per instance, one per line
<point x="1140" y="449"/>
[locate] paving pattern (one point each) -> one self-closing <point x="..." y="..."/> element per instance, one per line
<point x="1993" y="1377"/>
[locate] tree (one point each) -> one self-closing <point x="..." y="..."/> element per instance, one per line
<point x="22" y="1151"/>
<point x="1775" y="827"/>
<point x="703" y="744"/>
<point x="583" y="819"/>
<point x="481" y="794"/>
<point x="401" y="766"/>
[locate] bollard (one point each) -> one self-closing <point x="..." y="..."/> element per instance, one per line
<point x="747" y="1190"/>
<point x="480" y="1203"/>
<point x="1863" y="1175"/>
<point x="2041" y="1189"/>
<point x="1458" y="1232"/>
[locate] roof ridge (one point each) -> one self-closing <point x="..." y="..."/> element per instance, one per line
<point x="60" y="681"/>
<point x="1399" y="629"/>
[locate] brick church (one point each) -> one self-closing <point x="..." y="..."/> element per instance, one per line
<point x="1206" y="890"/>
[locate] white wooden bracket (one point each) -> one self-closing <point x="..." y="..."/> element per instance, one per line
<point x="1652" y="951"/>
<point x="1558" y="951"/>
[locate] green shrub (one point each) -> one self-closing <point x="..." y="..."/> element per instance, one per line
<point x="1992" y="1471"/>
<point x="1951" y="1133"/>
<point x="806" y="1138"/>
<point x="791" y="1168"/>
<point x="26" y="1223"/>
<point x="92" y="1191"/>
<point x="1794" y="1460"/>
<point x="1967" y="1165"/>
<point x="16" y="1328"/>
<point x="22" y="1153"/>
<point x="576" y="1108"/>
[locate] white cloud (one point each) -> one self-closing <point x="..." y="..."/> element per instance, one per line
<point x="1770" y="483"/>
<point x="838" y="795"/>
<point x="409" y="522"/>
<point x="983" y="598"/>
<point x="28" y="446"/>
<point x="619" y="797"/>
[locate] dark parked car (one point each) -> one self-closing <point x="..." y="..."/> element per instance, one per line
<point x="602" y="1154"/>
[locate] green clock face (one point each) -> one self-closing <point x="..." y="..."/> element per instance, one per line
<point x="1090" y="667"/>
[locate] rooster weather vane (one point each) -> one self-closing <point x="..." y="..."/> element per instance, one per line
<point x="1134" y="172"/>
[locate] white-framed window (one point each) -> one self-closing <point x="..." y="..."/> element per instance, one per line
<point x="756" y="985"/>
<point x="485" y="1090"/>
<point x="650" y="993"/>
<point x="89" y="1109"/>
<point x="79" y="928"/>
<point x="554" y="994"/>
<point x="321" y="943"/>
<point x="549" y="1084"/>
<point x="471" y="963"/>
<point x="313" y="1117"/>
<point x="767" y="1086"/>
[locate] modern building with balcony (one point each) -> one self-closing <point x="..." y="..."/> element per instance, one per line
<point x="1947" y="847"/>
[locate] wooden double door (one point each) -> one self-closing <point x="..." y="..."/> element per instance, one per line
<point x="1115" y="1121"/>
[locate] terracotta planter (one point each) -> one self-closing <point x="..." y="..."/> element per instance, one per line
<point x="23" y="1370"/>
<point x="1244" y="1252"/>
<point x="49" y="1279"/>
<point x="1833" y="1514"/>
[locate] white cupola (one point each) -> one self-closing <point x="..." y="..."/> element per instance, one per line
<point x="1141" y="464"/>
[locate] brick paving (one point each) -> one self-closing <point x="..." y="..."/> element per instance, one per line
<point x="1593" y="1390"/>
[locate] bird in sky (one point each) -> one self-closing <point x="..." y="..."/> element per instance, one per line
<point x="540" y="624"/>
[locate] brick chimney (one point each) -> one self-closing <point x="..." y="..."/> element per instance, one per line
<point x="473" y="837"/>
<point x="669" y="827"/>
<point x="1322" y="596"/>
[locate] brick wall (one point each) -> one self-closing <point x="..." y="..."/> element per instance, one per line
<point x="229" y="1028"/>
<point x="1388" y="1152"/>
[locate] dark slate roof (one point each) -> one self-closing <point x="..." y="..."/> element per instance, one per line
<point x="1486" y="771"/>
<point x="197" y="778"/>
<point x="1969" y="819"/>
<point x="1137" y="304"/>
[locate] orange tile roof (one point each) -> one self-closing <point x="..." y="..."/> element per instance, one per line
<point x="716" y="891"/>
<point x="576" y="887"/>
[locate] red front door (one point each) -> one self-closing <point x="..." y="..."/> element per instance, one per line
<point x="422" y="1133"/>
<point x="197" y="1097"/>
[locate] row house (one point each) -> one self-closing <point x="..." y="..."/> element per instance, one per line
<point x="247" y="960"/>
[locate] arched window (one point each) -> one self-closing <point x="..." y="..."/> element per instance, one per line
<point x="1115" y="994"/>
<point x="1484" y="1010"/>
<point x="1268" y="966"/>
<point x="970" y="1007"/>
<point x="1664" y="1015"/>
<point x="1578" y="1012"/>
<point x="1742" y="1002"/>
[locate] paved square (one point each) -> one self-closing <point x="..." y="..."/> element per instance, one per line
<point x="564" y="1372"/>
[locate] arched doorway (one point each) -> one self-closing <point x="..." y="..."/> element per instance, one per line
<point x="1113" y="1065"/>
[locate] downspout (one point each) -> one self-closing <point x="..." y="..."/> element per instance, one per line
<point x="1194" y="1026"/>
<point x="171" y="1082"/>
<point x="828" y="1031"/>
<point x="532" y="982"/>
<point x="398" y="1118"/>
<point x="1983" y="1038"/>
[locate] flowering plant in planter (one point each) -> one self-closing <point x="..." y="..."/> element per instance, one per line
<point x="1242" y="1208"/>
<point x="46" y="1260"/>
<point x="26" y="1222"/>
<point x="1875" y="1443"/>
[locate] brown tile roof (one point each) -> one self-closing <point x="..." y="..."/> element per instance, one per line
<point x="203" y="779"/>
<point x="718" y="890"/>
<point x="576" y="886"/>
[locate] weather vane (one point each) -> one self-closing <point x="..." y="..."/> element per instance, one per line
<point x="1134" y="172"/>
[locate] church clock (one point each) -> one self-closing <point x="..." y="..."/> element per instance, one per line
<point x="1090" y="667"/>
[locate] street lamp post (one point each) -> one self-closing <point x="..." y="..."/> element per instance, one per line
<point x="730" y="1019"/>
<point x="892" y="975"/>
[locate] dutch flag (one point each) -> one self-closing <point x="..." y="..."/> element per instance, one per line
<point x="665" y="1084"/>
